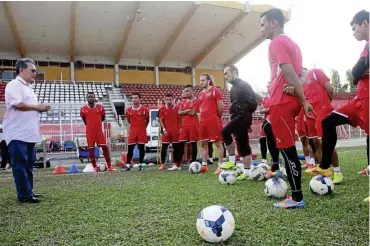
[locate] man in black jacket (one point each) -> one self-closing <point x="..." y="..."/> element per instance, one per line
<point x="243" y="104"/>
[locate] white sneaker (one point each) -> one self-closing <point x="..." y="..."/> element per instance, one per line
<point x="174" y="168"/>
<point x="264" y="161"/>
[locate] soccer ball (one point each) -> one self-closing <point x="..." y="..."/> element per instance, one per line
<point x="194" y="167"/>
<point x="276" y="188"/>
<point x="102" y="166"/>
<point x="215" y="224"/>
<point x="264" y="166"/>
<point x="257" y="173"/>
<point x="321" y="185"/>
<point x="240" y="169"/>
<point x="227" y="177"/>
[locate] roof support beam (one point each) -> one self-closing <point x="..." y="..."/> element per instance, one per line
<point x="13" y="26"/>
<point x="72" y="32"/>
<point x="258" y="40"/>
<point x="245" y="51"/>
<point x="210" y="47"/>
<point x="126" y="33"/>
<point x="176" y="34"/>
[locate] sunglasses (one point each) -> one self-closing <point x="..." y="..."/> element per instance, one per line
<point x="32" y="70"/>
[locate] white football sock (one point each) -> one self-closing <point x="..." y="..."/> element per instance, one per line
<point x="337" y="169"/>
<point x="307" y="158"/>
<point x="204" y="163"/>
<point x="246" y="172"/>
<point x="210" y="159"/>
<point x="232" y="158"/>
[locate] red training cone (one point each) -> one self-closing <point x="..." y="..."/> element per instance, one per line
<point x="59" y="170"/>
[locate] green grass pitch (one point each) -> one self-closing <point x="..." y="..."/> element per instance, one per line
<point x="153" y="207"/>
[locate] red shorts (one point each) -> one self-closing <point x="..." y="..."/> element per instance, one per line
<point x="172" y="136"/>
<point x="189" y="133"/>
<point x="137" y="136"/>
<point x="210" y="130"/>
<point x="97" y="137"/>
<point x="357" y="111"/>
<point x="314" y="127"/>
<point x="301" y="124"/>
<point x="282" y="119"/>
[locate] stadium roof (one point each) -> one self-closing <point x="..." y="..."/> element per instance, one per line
<point x="198" y="34"/>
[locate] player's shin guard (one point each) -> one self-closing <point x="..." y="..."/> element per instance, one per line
<point x="164" y="152"/>
<point x="92" y="156"/>
<point x="130" y="153"/>
<point x="194" y="151"/>
<point x="177" y="153"/>
<point x="263" y="146"/>
<point x="141" y="148"/>
<point x="293" y="167"/>
<point x="210" y="149"/>
<point x="329" y="137"/>
<point x="271" y="144"/>
<point x="312" y="145"/>
<point x="106" y="155"/>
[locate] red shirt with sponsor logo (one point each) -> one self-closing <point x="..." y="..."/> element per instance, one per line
<point x="363" y="83"/>
<point x="282" y="50"/>
<point x="93" y="116"/>
<point x="207" y="103"/>
<point x="170" y="117"/>
<point x="138" y="118"/>
<point x="314" y="89"/>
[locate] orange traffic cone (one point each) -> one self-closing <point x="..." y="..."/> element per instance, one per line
<point x="59" y="170"/>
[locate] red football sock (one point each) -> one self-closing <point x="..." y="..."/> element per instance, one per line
<point x="92" y="156"/>
<point x="106" y="155"/>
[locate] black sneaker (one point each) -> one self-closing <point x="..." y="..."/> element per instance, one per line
<point x="125" y="169"/>
<point x="28" y="200"/>
<point x="209" y="162"/>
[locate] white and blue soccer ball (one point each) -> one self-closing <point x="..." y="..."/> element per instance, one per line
<point x="264" y="166"/>
<point x="321" y="185"/>
<point x="257" y="173"/>
<point x="195" y="167"/>
<point x="215" y="224"/>
<point x="227" y="177"/>
<point x="102" y="166"/>
<point x="276" y="188"/>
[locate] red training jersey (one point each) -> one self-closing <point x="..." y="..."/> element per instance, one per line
<point x="170" y="117"/>
<point x="93" y="116"/>
<point x="314" y="87"/>
<point x="139" y="117"/>
<point x="363" y="83"/>
<point x="187" y="119"/>
<point x="266" y="104"/>
<point x="207" y="103"/>
<point x="282" y="50"/>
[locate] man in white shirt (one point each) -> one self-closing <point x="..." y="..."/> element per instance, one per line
<point x="21" y="127"/>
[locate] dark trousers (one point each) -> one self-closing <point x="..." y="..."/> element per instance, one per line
<point x="22" y="157"/>
<point x="4" y="154"/>
<point x="239" y="126"/>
